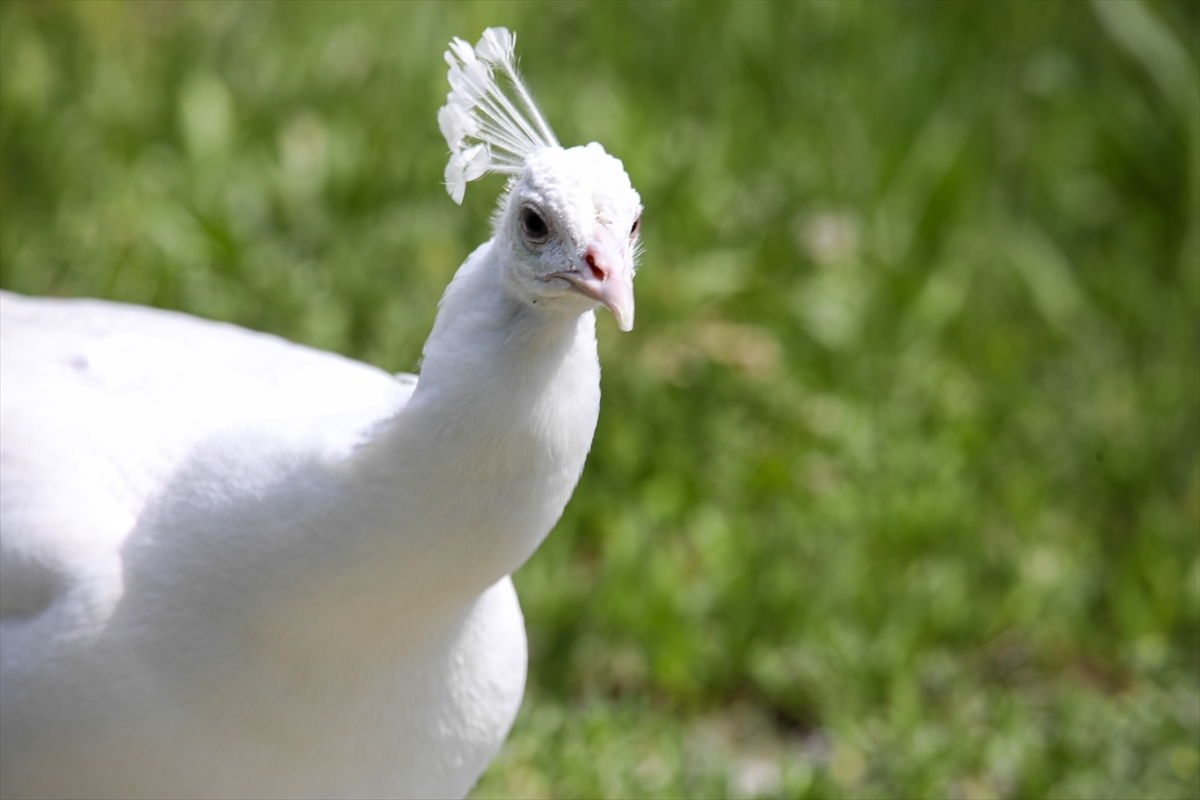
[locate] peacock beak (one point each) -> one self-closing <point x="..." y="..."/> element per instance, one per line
<point x="606" y="276"/>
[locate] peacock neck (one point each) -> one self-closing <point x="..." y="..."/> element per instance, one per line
<point x="397" y="540"/>
<point x="483" y="459"/>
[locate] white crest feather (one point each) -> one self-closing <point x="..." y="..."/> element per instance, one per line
<point x="487" y="131"/>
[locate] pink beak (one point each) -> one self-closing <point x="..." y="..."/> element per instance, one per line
<point x="606" y="277"/>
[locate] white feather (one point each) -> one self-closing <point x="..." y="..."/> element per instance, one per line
<point x="477" y="110"/>
<point x="242" y="568"/>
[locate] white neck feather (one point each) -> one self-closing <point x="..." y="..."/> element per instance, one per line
<point x="458" y="489"/>
<point x="497" y="432"/>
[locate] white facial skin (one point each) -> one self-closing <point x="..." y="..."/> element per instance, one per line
<point x="571" y="223"/>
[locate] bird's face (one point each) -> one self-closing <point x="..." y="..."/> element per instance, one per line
<point x="571" y="222"/>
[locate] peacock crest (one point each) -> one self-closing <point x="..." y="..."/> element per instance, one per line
<point x="485" y="129"/>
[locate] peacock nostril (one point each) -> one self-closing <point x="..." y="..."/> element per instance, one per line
<point x="597" y="272"/>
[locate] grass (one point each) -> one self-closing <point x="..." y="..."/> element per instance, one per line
<point x="896" y="488"/>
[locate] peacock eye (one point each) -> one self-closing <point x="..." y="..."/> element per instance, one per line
<point x="637" y="223"/>
<point x="533" y="225"/>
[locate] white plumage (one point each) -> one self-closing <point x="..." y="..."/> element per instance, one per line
<point x="233" y="566"/>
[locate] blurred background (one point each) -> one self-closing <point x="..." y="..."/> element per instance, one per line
<point x="896" y="486"/>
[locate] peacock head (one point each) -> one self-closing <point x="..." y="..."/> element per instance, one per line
<point x="570" y="218"/>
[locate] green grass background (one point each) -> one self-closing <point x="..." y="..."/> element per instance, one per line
<point x="896" y="487"/>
